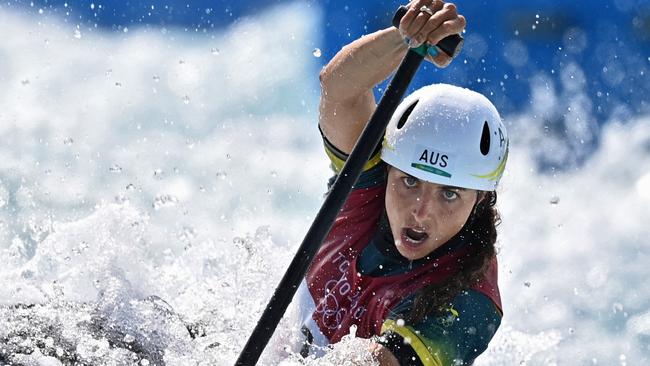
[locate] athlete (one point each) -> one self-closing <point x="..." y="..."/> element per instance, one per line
<point x="410" y="261"/>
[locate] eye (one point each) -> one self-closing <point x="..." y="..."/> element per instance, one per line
<point x="410" y="181"/>
<point x="449" y="195"/>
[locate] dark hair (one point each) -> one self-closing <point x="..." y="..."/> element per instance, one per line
<point x="481" y="229"/>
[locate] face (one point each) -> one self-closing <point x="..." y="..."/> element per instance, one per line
<point x="423" y="216"/>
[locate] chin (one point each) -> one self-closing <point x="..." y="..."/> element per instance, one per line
<point x="410" y="252"/>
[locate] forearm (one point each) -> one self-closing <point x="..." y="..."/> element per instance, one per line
<point x="347" y="100"/>
<point x="361" y="65"/>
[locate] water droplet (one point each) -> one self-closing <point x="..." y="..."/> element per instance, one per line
<point x="554" y="200"/>
<point x="400" y="322"/>
<point x="128" y="338"/>
<point x="49" y="342"/>
<point x="115" y="169"/>
<point x="125" y="30"/>
<point x="40" y="11"/>
<point x="77" y="34"/>
<point x="215" y="51"/>
<point x="130" y="187"/>
<point x="164" y="200"/>
<point x="118" y="84"/>
<point x="156" y="78"/>
<point x="617" y="307"/>
<point x="186" y="234"/>
<point x="316" y="52"/>
<point x="120" y="198"/>
<point x="25" y="82"/>
<point x="274" y="174"/>
<point x="527" y="284"/>
<point x="92" y="6"/>
<point x="108" y="73"/>
<point x="158" y="173"/>
<point x="186" y="99"/>
<point x="144" y="362"/>
<point x="221" y="175"/>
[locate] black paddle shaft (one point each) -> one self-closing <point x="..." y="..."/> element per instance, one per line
<point x="338" y="194"/>
<point x="370" y="137"/>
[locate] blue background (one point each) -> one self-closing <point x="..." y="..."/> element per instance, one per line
<point x="507" y="44"/>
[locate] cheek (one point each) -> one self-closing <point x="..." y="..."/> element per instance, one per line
<point x="452" y="215"/>
<point x="460" y="214"/>
<point x="394" y="204"/>
<point x="391" y="200"/>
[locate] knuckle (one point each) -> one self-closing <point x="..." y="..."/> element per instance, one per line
<point x="447" y="27"/>
<point x="462" y="21"/>
<point x="450" y="7"/>
<point x="448" y="13"/>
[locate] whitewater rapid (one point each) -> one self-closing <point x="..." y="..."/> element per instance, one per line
<point x="155" y="183"/>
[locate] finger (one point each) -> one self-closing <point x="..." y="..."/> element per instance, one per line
<point x="447" y="13"/>
<point x="447" y="28"/>
<point x="415" y="29"/>
<point x="410" y="15"/>
<point x="441" y="60"/>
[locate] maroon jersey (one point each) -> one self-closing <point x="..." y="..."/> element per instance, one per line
<point x="344" y="297"/>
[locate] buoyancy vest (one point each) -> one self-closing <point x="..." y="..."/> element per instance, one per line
<point x="344" y="297"/>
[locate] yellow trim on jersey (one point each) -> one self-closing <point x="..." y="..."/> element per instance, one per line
<point x="337" y="162"/>
<point x="423" y="352"/>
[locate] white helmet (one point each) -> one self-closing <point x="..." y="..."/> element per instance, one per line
<point x="448" y="135"/>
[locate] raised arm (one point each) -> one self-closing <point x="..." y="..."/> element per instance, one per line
<point x="347" y="101"/>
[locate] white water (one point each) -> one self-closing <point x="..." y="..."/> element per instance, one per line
<point x="156" y="180"/>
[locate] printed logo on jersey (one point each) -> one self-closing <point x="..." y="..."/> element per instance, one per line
<point x="432" y="161"/>
<point x="339" y="297"/>
<point x="447" y="320"/>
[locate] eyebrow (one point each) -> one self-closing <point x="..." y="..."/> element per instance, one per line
<point x="441" y="186"/>
<point x="453" y="188"/>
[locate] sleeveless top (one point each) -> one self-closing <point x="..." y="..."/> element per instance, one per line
<point x="337" y="296"/>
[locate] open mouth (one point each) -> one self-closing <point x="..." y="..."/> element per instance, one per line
<point x="414" y="236"/>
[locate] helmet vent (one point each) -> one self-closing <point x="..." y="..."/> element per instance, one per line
<point x="406" y="114"/>
<point x="485" y="139"/>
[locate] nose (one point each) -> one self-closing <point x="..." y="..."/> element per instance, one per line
<point x="422" y="209"/>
